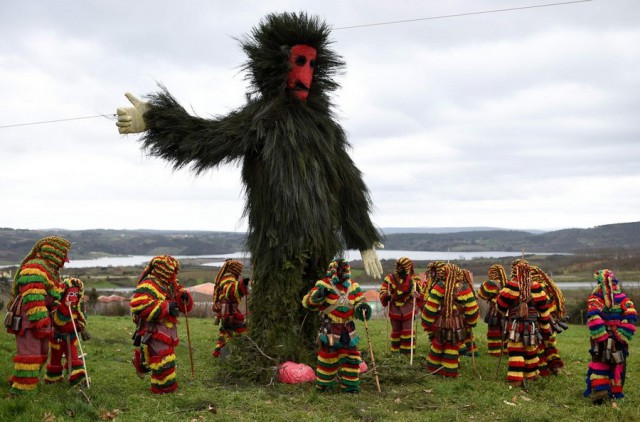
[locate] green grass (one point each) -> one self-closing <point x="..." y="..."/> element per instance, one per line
<point x="408" y="392"/>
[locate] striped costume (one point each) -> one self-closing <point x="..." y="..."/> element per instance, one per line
<point x="527" y="308"/>
<point x="449" y="310"/>
<point x="34" y="293"/>
<point x="339" y="299"/>
<point x="64" y="342"/>
<point x="227" y="295"/>
<point x="611" y="320"/>
<point x="489" y="290"/>
<point x="400" y="291"/>
<point x="155" y="305"/>
<point x="548" y="354"/>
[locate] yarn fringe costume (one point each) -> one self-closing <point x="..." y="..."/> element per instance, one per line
<point x="489" y="290"/>
<point x="450" y="308"/>
<point x="526" y="306"/>
<point x="611" y="320"/>
<point x="227" y="295"/>
<point x="34" y="293"/>
<point x="64" y="342"/>
<point x="305" y="199"/>
<point x="339" y="299"/>
<point x="548" y="354"/>
<point x="155" y="305"/>
<point x="397" y="291"/>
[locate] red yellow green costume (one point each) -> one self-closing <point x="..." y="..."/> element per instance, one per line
<point x="526" y="306"/>
<point x="399" y="291"/>
<point x="156" y="304"/>
<point x="611" y="320"/>
<point x="227" y="295"/>
<point x="339" y="299"/>
<point x="450" y="308"/>
<point x="34" y="293"/>
<point x="64" y="342"/>
<point x="489" y="290"/>
<point x="550" y="361"/>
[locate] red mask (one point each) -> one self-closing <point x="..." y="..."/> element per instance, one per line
<point x="72" y="296"/>
<point x="303" y="61"/>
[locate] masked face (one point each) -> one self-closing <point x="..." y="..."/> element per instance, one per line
<point x="72" y="295"/>
<point x="303" y="60"/>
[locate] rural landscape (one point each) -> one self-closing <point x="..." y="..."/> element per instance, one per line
<point x="409" y="392"/>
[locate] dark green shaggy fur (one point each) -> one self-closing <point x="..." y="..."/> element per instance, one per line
<point x="305" y="200"/>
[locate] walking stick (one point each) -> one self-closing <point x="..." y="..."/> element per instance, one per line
<point x="186" y="319"/>
<point x="413" y="320"/>
<point x="373" y="360"/>
<point x="473" y="355"/>
<point x="82" y="354"/>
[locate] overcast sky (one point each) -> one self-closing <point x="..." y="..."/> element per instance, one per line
<point x="524" y="119"/>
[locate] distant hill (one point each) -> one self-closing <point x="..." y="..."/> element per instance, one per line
<point x="396" y="230"/>
<point x="14" y="244"/>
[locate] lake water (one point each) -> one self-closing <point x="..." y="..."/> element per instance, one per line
<point x="352" y="255"/>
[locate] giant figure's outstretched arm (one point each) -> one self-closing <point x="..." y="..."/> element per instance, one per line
<point x="173" y="134"/>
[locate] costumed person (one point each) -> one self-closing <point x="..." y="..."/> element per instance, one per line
<point x="469" y="345"/>
<point x="339" y="299"/>
<point x="305" y="199"/>
<point x="526" y="306"/>
<point x="611" y="319"/>
<point x="69" y="313"/>
<point x="449" y="309"/>
<point x="398" y="291"/>
<point x="489" y="290"/>
<point x="548" y="354"/>
<point x="228" y="292"/>
<point x="34" y="294"/>
<point x="156" y="305"/>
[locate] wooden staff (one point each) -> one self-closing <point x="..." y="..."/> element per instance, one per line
<point x="473" y="355"/>
<point x="413" y="320"/>
<point x="82" y="355"/>
<point x="373" y="360"/>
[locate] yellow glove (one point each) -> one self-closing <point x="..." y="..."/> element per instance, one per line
<point x="372" y="264"/>
<point x="130" y="119"/>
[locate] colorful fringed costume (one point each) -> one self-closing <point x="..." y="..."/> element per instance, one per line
<point x="489" y="290"/>
<point x="306" y="200"/>
<point x="450" y="308"/>
<point x="526" y="306"/>
<point x="34" y="293"/>
<point x="469" y="345"/>
<point x="64" y="343"/>
<point x="339" y="299"/>
<point x="611" y="319"/>
<point x="156" y="304"/>
<point x="548" y="354"/>
<point x="227" y="294"/>
<point x="400" y="291"/>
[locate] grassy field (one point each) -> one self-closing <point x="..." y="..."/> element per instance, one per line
<point x="408" y="392"/>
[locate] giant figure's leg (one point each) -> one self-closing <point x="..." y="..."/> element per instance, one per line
<point x="349" y="372"/>
<point x="31" y="356"/>
<point x="327" y="367"/>
<point x="162" y="362"/>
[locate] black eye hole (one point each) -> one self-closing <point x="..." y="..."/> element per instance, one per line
<point x="312" y="63"/>
<point x="301" y="60"/>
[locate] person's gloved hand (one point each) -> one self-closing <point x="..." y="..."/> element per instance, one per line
<point x="173" y="308"/>
<point x="363" y="312"/>
<point x="320" y="293"/>
<point x="371" y="262"/>
<point x="130" y="119"/>
<point x="184" y="297"/>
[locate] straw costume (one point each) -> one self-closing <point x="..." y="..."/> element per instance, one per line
<point x="489" y="290"/>
<point x="550" y="360"/>
<point x="398" y="291"/>
<point x="64" y="342"/>
<point x="339" y="299"/>
<point x="526" y="306"/>
<point x="611" y="320"/>
<point x="156" y="304"/>
<point x="34" y="293"/>
<point x="449" y="309"/>
<point x="227" y="294"/>
<point x="305" y="199"/>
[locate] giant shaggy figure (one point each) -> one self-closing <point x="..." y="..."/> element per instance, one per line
<point x="305" y="199"/>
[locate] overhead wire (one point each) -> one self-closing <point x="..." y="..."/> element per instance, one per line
<point x="510" y="9"/>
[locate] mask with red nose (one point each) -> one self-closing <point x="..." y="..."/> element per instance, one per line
<point x="72" y="296"/>
<point x="303" y="60"/>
